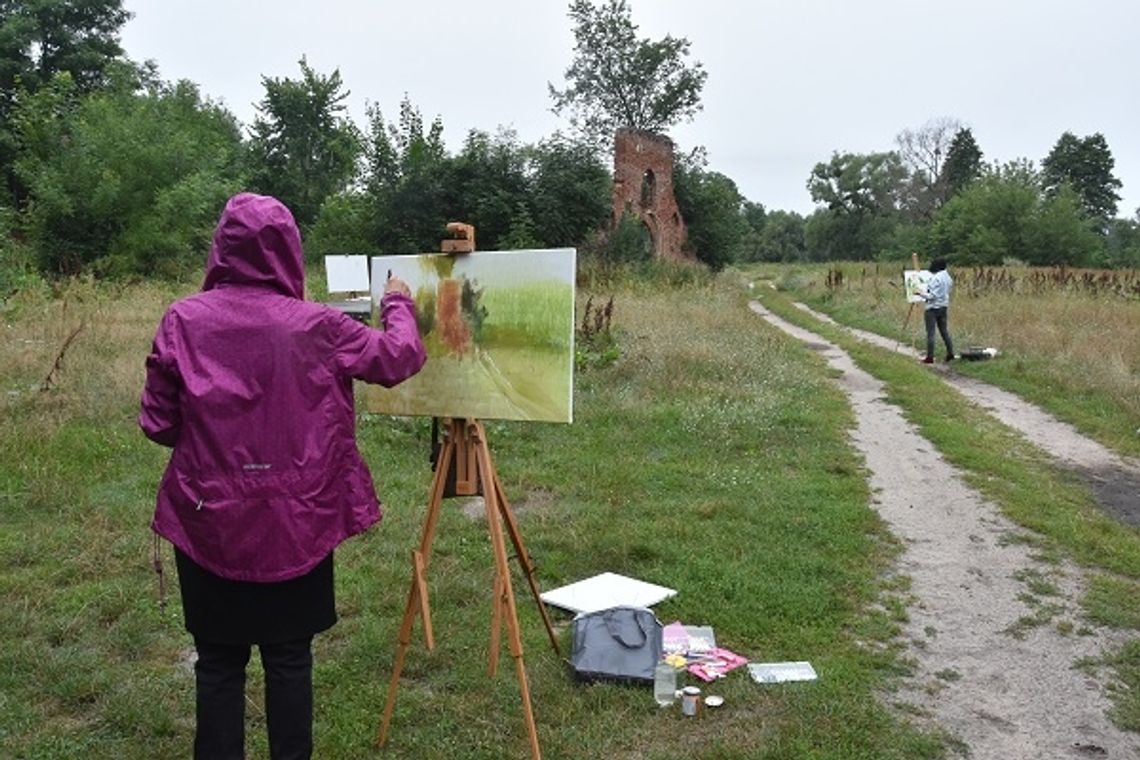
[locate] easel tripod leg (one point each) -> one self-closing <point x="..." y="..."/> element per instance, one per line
<point x="502" y="569"/>
<point x="524" y="560"/>
<point x="417" y="591"/>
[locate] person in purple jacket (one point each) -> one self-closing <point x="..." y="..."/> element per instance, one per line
<point x="251" y="386"/>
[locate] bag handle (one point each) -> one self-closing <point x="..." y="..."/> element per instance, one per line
<point x="618" y="636"/>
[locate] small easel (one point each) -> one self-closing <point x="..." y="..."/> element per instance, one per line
<point x="463" y="467"/>
<point x="911" y="305"/>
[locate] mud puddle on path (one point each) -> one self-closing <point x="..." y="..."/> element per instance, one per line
<point x="1007" y="689"/>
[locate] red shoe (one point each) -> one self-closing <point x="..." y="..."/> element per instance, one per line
<point x="927" y="360"/>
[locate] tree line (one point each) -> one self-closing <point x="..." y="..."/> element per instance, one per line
<point x="935" y="193"/>
<point x="110" y="170"/>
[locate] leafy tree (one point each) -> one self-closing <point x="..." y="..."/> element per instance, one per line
<point x="1086" y="164"/>
<point x="521" y="234"/>
<point x="1002" y="215"/>
<point x="988" y="222"/>
<point x="963" y="162"/>
<point x="344" y="225"/>
<point x="42" y="38"/>
<point x="304" y="148"/>
<point x="570" y="191"/>
<point x="853" y="183"/>
<point x="629" y="242"/>
<point x="620" y="80"/>
<point x="782" y="238"/>
<point x="713" y="210"/>
<point x="552" y="194"/>
<point x="408" y="180"/>
<point x="921" y="152"/>
<point x="755" y="216"/>
<point x="1122" y="244"/>
<point x="489" y="187"/>
<point x="1060" y="235"/>
<point x="124" y="183"/>
<point x="860" y="198"/>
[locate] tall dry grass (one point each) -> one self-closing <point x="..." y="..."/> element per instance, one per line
<point x="1085" y="341"/>
<point x="100" y="372"/>
<point x="1065" y="336"/>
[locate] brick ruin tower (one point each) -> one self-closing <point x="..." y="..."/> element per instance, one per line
<point x="643" y="186"/>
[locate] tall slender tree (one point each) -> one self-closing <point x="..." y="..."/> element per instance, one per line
<point x="1086" y="164"/>
<point x="304" y="146"/>
<point x="963" y="162"/>
<point x="620" y="80"/>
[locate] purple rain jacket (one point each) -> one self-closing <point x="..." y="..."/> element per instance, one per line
<point x="252" y="387"/>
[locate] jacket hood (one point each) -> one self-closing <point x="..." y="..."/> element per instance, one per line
<point x="256" y="242"/>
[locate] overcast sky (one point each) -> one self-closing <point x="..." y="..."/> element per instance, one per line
<point x="789" y="82"/>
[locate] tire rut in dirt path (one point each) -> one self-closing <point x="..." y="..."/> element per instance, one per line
<point x="1114" y="479"/>
<point x="1006" y="689"/>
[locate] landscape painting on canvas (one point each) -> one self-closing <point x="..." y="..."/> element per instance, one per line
<point x="499" y="332"/>
<point x="914" y="283"/>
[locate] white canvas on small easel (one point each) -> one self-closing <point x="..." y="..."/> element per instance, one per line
<point x="347" y="273"/>
<point x="347" y="276"/>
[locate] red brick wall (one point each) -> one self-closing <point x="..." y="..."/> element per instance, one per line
<point x="643" y="185"/>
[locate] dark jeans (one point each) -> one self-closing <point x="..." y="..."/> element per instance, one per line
<point x="220" y="674"/>
<point x="937" y="318"/>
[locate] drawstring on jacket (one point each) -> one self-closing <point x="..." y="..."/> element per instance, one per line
<point x="161" y="576"/>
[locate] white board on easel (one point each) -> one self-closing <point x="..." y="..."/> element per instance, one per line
<point x="347" y="273"/>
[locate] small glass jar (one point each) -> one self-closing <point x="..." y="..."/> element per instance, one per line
<point x="690" y="701"/>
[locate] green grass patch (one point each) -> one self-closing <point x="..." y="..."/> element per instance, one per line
<point x="1113" y="601"/>
<point x="1125" y="694"/>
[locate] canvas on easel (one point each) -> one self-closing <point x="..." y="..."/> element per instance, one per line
<point x="915" y="282"/>
<point x="499" y="331"/>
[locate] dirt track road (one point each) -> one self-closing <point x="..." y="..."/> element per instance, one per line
<point x="1008" y="691"/>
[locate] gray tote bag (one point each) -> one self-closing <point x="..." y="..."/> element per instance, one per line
<point x="616" y="644"/>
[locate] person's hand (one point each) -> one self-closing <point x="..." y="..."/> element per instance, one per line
<point x="396" y="285"/>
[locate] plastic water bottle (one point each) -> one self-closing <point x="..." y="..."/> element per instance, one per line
<point x="664" y="684"/>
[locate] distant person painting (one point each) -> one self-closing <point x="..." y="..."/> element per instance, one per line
<point x="251" y="387"/>
<point x="937" y="298"/>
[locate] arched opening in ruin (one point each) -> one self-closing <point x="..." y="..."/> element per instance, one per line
<point x="648" y="188"/>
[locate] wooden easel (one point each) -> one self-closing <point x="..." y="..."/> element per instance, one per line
<point x="911" y="305"/>
<point x="464" y="467"/>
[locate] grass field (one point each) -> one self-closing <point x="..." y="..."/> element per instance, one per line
<point x="712" y="458"/>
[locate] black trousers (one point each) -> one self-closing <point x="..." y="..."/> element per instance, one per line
<point x="220" y="673"/>
<point x="937" y="318"/>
